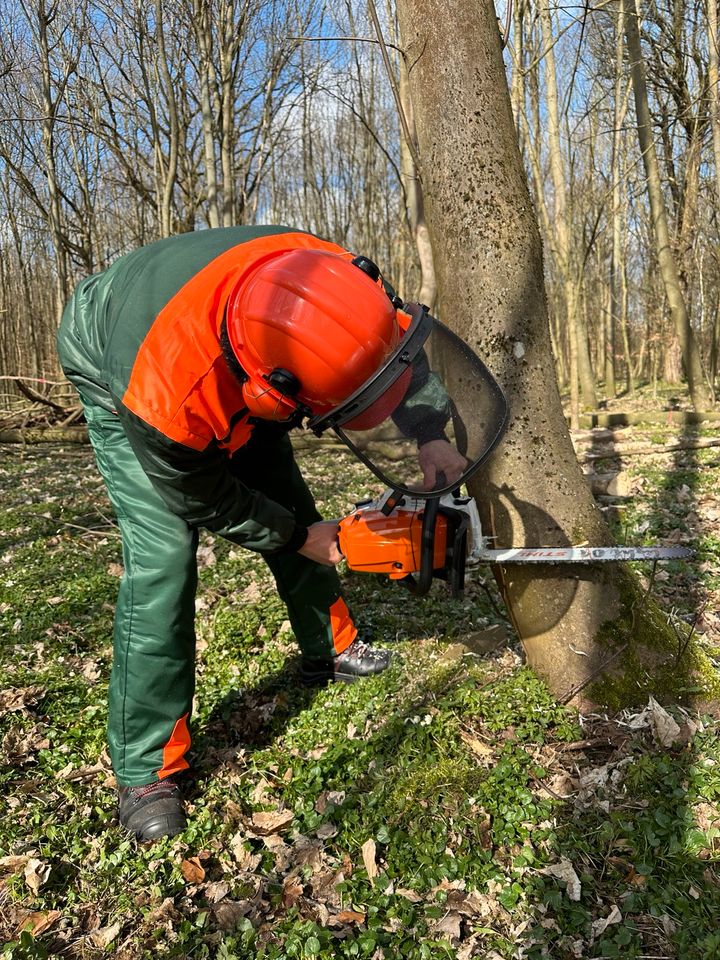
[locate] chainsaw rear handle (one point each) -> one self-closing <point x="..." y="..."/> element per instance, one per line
<point x="455" y="551"/>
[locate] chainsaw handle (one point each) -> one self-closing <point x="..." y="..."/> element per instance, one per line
<point x="420" y="586"/>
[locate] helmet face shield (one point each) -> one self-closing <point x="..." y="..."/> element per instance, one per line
<point x="429" y="417"/>
<point x="376" y="391"/>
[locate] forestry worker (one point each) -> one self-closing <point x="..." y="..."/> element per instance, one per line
<point x="193" y="357"/>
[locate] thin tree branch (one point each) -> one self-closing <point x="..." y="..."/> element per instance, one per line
<point x="412" y="147"/>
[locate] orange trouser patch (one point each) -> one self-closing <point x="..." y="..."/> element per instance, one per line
<point x="175" y="749"/>
<point x="343" y="629"/>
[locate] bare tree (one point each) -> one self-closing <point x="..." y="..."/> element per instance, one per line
<point x="671" y="279"/>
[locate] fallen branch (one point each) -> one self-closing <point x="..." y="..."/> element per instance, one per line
<point x="670" y="417"/>
<point x="31" y="435"/>
<point x="38" y="397"/>
<point x="637" y="450"/>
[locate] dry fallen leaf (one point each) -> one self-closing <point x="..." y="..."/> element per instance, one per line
<point x="14" y="699"/>
<point x="229" y="912"/>
<point x="264" y="824"/>
<point x="469" y="949"/>
<point x="292" y="890"/>
<point x="217" y="891"/>
<point x="349" y="917"/>
<point x="324" y="886"/>
<point x="38" y="922"/>
<point x="91" y="671"/>
<point x="599" y="926"/>
<point x="307" y="853"/>
<point x="104" y="936"/>
<point x="369" y="851"/>
<point x="36" y="874"/>
<point x="280" y="849"/>
<point x="566" y="872"/>
<point x="246" y="859"/>
<point x="448" y="926"/>
<point x="480" y="749"/>
<point x="260" y="793"/>
<point x="410" y="895"/>
<point x="326" y="830"/>
<point x="664" y="728"/>
<point x="14" y="862"/>
<point x="192" y="870"/>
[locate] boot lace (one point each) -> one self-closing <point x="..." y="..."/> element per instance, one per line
<point x="160" y="785"/>
<point x="363" y="651"/>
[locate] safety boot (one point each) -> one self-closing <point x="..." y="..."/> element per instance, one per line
<point x="152" y="811"/>
<point x="360" y="659"/>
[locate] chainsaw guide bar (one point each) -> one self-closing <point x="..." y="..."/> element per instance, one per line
<point x="579" y="554"/>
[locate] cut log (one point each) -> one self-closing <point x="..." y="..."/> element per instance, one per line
<point x="671" y="417"/>
<point x="610" y="484"/>
<point x="30" y="435"/>
<point x="637" y="450"/>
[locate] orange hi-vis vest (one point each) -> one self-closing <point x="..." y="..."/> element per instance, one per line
<point x="180" y="382"/>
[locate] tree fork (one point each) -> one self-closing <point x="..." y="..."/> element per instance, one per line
<point x="583" y="628"/>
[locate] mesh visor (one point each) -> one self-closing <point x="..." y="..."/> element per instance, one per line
<point x="435" y="422"/>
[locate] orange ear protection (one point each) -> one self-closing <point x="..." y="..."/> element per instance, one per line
<point x="273" y="397"/>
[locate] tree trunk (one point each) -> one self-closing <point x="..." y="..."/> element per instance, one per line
<point x="202" y="25"/>
<point x="713" y="91"/>
<point x="488" y="259"/>
<point x="165" y="200"/>
<point x="44" y="19"/>
<point x="668" y="267"/>
<point x="568" y="264"/>
<point x="414" y="202"/>
<point x="617" y="265"/>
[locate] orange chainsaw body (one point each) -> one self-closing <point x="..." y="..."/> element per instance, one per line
<point x="373" y="542"/>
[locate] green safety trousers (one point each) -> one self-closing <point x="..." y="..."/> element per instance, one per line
<point x="153" y="673"/>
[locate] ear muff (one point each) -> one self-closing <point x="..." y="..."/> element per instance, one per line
<point x="273" y="397"/>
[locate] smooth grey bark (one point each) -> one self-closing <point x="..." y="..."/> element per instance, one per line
<point x="414" y="202"/>
<point x="203" y="31"/>
<point x="566" y="251"/>
<point x="169" y="166"/>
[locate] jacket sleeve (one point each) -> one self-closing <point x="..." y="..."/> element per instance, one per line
<point x="199" y="487"/>
<point x="425" y="409"/>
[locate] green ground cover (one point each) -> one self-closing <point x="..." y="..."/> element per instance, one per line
<point x="449" y="808"/>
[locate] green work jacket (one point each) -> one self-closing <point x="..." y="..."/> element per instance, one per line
<point x="142" y="340"/>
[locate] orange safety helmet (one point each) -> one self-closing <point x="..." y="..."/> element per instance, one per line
<point x="309" y="328"/>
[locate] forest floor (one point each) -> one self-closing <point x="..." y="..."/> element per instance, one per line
<point x="448" y="808"/>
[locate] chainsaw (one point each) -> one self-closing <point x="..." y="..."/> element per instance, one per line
<point x="418" y="539"/>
